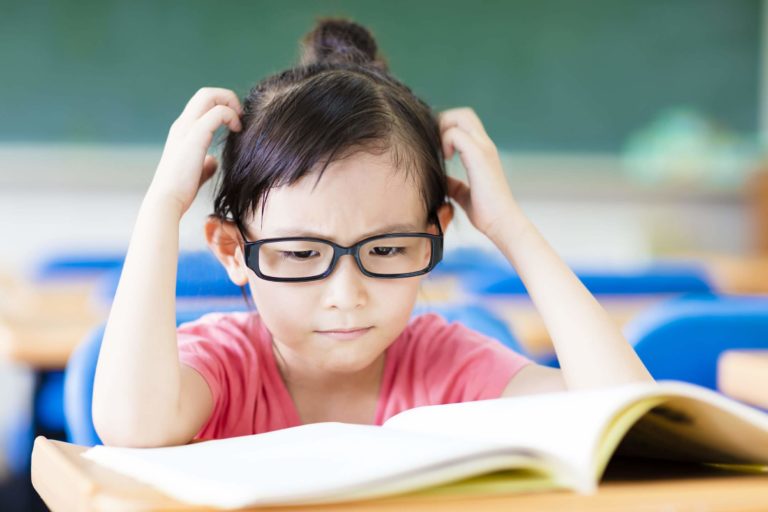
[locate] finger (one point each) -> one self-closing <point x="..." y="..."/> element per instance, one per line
<point x="459" y="191"/>
<point x="465" y="118"/>
<point x="204" y="100"/>
<point x="201" y="133"/>
<point x="469" y="151"/>
<point x="448" y="149"/>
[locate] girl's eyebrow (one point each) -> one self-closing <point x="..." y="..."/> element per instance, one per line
<point x="392" y="228"/>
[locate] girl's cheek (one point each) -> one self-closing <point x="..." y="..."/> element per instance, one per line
<point x="274" y="294"/>
<point x="284" y="300"/>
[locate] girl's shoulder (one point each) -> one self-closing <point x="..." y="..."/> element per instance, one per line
<point x="219" y="318"/>
<point x="223" y="327"/>
<point x="435" y="327"/>
<point x="430" y="333"/>
<point x="453" y="362"/>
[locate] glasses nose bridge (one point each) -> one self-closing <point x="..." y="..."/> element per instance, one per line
<point x="352" y="250"/>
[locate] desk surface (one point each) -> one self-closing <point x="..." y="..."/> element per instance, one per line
<point x="41" y="325"/>
<point x="67" y="482"/>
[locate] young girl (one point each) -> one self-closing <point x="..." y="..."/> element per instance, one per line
<point x="331" y="207"/>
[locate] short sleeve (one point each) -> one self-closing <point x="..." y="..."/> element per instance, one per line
<point x="464" y="364"/>
<point x="217" y="347"/>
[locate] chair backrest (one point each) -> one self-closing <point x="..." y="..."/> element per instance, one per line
<point x="198" y="274"/>
<point x="78" y="381"/>
<point x="74" y="265"/>
<point x="681" y="339"/>
<point x="80" y="371"/>
<point x="470" y="260"/>
<point x="656" y="279"/>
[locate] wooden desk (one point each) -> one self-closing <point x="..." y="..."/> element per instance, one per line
<point x="526" y="323"/>
<point x="733" y="274"/>
<point x="743" y="375"/>
<point x="40" y="325"/>
<point x="67" y="482"/>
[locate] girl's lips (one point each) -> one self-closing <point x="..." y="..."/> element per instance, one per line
<point x="346" y="335"/>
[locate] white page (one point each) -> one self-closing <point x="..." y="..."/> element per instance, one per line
<point x="570" y="425"/>
<point x="566" y="425"/>
<point x="309" y="463"/>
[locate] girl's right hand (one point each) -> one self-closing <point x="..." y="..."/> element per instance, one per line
<point x="184" y="165"/>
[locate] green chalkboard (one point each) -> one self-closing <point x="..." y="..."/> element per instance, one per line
<point x="559" y="75"/>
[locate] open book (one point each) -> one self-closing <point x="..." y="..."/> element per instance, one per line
<point x="556" y="440"/>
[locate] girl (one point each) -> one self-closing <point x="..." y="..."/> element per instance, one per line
<point x="331" y="207"/>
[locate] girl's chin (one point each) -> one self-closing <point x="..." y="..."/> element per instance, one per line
<point x="348" y="361"/>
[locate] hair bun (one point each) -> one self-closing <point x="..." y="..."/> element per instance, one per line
<point x="337" y="40"/>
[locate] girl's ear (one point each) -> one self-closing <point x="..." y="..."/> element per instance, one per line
<point x="445" y="215"/>
<point x="223" y="239"/>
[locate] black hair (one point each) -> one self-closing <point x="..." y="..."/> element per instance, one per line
<point x="340" y="99"/>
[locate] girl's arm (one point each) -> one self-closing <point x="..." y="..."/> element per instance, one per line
<point x="142" y="395"/>
<point x="590" y="346"/>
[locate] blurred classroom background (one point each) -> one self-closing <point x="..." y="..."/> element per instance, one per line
<point x="633" y="134"/>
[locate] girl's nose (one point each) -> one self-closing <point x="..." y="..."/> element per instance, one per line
<point x="345" y="287"/>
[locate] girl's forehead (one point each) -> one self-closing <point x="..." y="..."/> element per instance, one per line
<point x="354" y="196"/>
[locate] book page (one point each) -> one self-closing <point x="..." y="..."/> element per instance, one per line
<point x="573" y="426"/>
<point x="562" y="426"/>
<point x="309" y="464"/>
<point x="686" y="429"/>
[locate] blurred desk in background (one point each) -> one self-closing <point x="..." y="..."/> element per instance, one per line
<point x="41" y="324"/>
<point x="528" y="327"/>
<point x="743" y="375"/>
<point x="735" y="274"/>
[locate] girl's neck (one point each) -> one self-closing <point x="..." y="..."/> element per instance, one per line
<point x="312" y="382"/>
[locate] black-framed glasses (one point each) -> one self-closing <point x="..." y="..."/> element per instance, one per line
<point x="389" y="256"/>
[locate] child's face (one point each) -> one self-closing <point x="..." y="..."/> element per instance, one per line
<point x="357" y="197"/>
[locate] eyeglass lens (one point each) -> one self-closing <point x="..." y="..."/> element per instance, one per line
<point x="304" y="258"/>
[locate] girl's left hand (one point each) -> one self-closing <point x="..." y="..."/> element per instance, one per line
<point x="487" y="199"/>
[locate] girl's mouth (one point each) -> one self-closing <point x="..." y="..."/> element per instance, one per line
<point x="346" y="334"/>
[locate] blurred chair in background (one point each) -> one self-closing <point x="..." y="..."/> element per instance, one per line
<point x="683" y="338"/>
<point x="485" y="277"/>
<point x="201" y="281"/>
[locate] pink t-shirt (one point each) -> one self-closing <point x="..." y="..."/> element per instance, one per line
<point x="431" y="362"/>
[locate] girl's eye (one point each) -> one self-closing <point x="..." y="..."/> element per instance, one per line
<point x="298" y="255"/>
<point x="388" y="251"/>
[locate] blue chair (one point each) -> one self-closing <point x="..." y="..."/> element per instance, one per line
<point x="478" y="318"/>
<point x="78" y="380"/>
<point x="658" y="278"/>
<point x="471" y="260"/>
<point x="682" y="338"/>
<point x="662" y="278"/>
<point x="76" y="265"/>
<point x="199" y="274"/>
